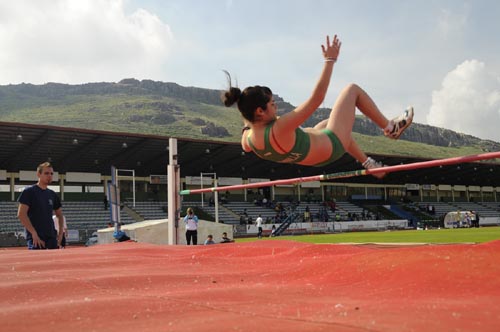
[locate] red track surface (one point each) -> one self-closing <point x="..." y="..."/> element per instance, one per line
<point x="259" y="286"/>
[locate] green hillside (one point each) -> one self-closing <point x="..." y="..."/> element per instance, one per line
<point x="134" y="114"/>
<point x="159" y="108"/>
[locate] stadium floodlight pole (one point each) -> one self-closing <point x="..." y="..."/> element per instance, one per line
<point x="348" y="174"/>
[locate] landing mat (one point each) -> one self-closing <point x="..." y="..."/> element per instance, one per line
<point x="255" y="286"/>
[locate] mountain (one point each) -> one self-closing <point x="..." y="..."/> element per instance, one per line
<point x="163" y="108"/>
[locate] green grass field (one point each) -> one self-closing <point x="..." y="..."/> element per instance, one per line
<point x="462" y="235"/>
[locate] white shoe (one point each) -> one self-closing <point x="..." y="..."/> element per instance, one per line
<point x="370" y="163"/>
<point x="400" y="124"/>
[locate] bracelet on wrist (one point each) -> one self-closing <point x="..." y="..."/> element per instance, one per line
<point x="331" y="60"/>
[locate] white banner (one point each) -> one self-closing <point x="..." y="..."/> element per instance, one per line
<point x="255" y="180"/>
<point x="83" y="177"/>
<point x="311" y="184"/>
<point x="196" y="180"/>
<point x="446" y="187"/>
<point x="31" y="176"/>
<point x="224" y="181"/>
<point x="487" y="189"/>
<point x="412" y="186"/>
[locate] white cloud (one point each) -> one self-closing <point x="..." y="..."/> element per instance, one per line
<point x="468" y="101"/>
<point x="79" y="41"/>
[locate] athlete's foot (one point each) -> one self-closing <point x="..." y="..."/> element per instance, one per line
<point x="399" y="124"/>
<point x="370" y="163"/>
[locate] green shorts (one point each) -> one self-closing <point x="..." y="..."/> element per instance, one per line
<point x="338" y="148"/>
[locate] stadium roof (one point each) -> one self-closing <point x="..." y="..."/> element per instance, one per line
<point x="23" y="146"/>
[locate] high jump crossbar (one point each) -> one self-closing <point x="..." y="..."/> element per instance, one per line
<point x="348" y="174"/>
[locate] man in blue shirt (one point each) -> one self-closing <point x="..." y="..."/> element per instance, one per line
<point x="37" y="204"/>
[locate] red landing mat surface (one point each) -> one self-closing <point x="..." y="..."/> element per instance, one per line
<point x="258" y="286"/>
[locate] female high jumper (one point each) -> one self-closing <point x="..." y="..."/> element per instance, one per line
<point x="282" y="139"/>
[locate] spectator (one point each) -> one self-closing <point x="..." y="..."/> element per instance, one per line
<point x="472" y="222"/>
<point x="278" y="207"/>
<point x="337" y="217"/>
<point x="258" y="222"/>
<point x="333" y="205"/>
<point x="307" y="214"/>
<point x="272" y="204"/>
<point x="458" y="218"/>
<point x="242" y="220"/>
<point x="191" y="221"/>
<point x="244" y="217"/>
<point x="37" y="203"/>
<point x="65" y="230"/>
<point x="120" y="235"/>
<point x="209" y="240"/>
<point x="323" y="214"/>
<point x="225" y="239"/>
<point x="273" y="231"/>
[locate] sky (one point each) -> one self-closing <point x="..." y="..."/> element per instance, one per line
<point x="442" y="57"/>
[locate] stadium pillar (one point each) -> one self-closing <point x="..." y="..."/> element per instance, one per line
<point x="61" y="187"/>
<point x="12" y="187"/>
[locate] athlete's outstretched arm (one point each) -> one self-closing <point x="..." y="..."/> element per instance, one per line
<point x="302" y="112"/>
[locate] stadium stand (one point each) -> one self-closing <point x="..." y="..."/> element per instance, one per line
<point x="495" y="206"/>
<point x="226" y="215"/>
<point x="88" y="216"/>
<point x="150" y="210"/>
<point x="84" y="215"/>
<point x="8" y="217"/>
<point x="440" y="208"/>
<point x="252" y="211"/>
<point x="484" y="211"/>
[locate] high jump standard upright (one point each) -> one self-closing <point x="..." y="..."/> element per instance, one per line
<point x="174" y="199"/>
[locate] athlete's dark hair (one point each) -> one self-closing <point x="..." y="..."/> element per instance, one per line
<point x="249" y="100"/>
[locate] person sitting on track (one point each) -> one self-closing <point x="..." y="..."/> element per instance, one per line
<point x="119" y="235"/>
<point x="281" y="139"/>
<point x="225" y="239"/>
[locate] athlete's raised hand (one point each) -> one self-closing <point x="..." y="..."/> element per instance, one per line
<point x="331" y="50"/>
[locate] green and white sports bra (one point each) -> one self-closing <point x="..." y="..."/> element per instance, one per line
<point x="296" y="154"/>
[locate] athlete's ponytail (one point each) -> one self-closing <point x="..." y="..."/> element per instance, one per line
<point x="249" y="100"/>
